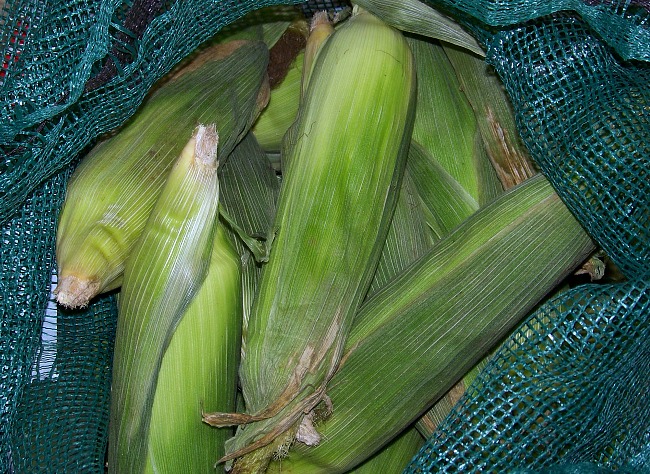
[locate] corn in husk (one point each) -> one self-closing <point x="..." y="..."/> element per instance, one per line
<point x="111" y="194"/>
<point x="335" y="204"/>
<point x="447" y="127"/>
<point x="162" y="275"/>
<point x="199" y="370"/>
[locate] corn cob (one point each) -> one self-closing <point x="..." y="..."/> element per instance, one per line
<point x="282" y="109"/>
<point x="406" y="240"/>
<point x="162" y="275"/>
<point x="335" y="203"/>
<point x="112" y="192"/>
<point x="199" y="371"/>
<point x="439" y="317"/>
<point x="430" y="421"/>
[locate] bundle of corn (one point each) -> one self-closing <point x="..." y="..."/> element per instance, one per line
<point x="455" y="192"/>
<point x="163" y="274"/>
<point x="390" y="219"/>
<point x="439" y="317"/>
<point x="141" y="215"/>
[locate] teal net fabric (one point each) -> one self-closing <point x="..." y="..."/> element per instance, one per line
<point x="624" y="25"/>
<point x="577" y="73"/>
<point x="585" y="117"/>
<point x="55" y="380"/>
<point x="570" y="387"/>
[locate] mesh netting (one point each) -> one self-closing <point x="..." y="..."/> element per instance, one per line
<point x="621" y="24"/>
<point x="572" y="385"/>
<point x="569" y="387"/>
<point x="61" y="418"/>
<point x="54" y="387"/>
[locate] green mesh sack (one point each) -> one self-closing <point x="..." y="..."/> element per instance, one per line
<point x="570" y="386"/>
<point x="578" y="79"/>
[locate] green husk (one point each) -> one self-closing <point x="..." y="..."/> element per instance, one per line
<point x="408" y="236"/>
<point x="439" y="318"/>
<point x="446" y="125"/>
<point x="429" y="422"/>
<point x="162" y="275"/>
<point x="394" y="457"/>
<point x="280" y="113"/>
<point x="199" y="371"/>
<point x="445" y="201"/>
<point x="495" y="117"/>
<point x="417" y="17"/>
<point x="125" y="173"/>
<point x="249" y="193"/>
<point x="448" y="205"/>
<point x="391" y="459"/>
<point x="320" y="29"/>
